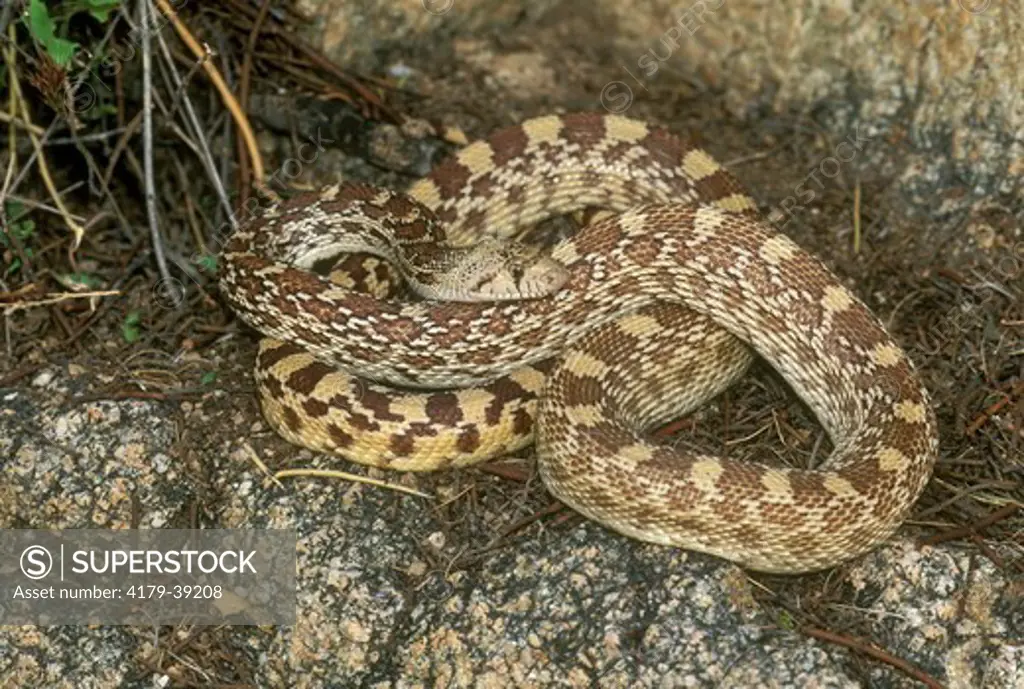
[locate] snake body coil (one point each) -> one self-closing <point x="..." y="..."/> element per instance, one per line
<point x="648" y="324"/>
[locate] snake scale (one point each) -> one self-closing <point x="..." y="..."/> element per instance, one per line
<point x="662" y="303"/>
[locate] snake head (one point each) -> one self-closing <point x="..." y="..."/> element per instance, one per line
<point x="501" y="270"/>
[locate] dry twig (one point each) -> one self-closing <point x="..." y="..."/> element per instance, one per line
<point x="147" y="142"/>
<point x="875" y="652"/>
<point x="77" y="231"/>
<point x="222" y="88"/>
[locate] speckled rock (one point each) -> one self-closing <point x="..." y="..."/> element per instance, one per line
<point x="69" y="464"/>
<point x="938" y="76"/>
<point x="379" y="605"/>
<point x="354" y="32"/>
<point x="65" y="657"/>
<point x="583" y="608"/>
<point x="949" y="609"/>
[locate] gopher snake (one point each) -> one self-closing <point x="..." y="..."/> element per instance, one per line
<point x="686" y="236"/>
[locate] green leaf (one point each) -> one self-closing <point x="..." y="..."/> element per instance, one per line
<point x="130" y="326"/>
<point x="43" y="29"/>
<point x="208" y="263"/>
<point x="208" y="378"/>
<point x="24" y="229"/>
<point x="105" y="109"/>
<point x="40" y="25"/>
<point x="13" y="209"/>
<point x="17" y="224"/>
<point x="101" y="9"/>
<point x="61" y="51"/>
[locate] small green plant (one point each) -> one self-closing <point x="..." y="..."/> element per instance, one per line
<point x="785" y="620"/>
<point x="207" y="263"/>
<point x="51" y="32"/>
<point x="130" y="327"/>
<point x="21" y="228"/>
<point x="78" y="282"/>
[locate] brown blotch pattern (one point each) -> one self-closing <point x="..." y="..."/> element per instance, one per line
<point x="443" y="408"/>
<point x="469" y="440"/>
<point x="450" y="177"/>
<point x="666" y="149"/>
<point x="505" y="390"/>
<point x="291" y="419"/>
<point x="580" y="390"/>
<point x="508" y="144"/>
<point x="305" y="379"/>
<point x="379" y="405"/>
<point x="339" y="437"/>
<point x="402" y="445"/>
<point x="586" y="129"/>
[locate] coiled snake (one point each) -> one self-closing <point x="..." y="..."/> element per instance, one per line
<point x="657" y="302"/>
